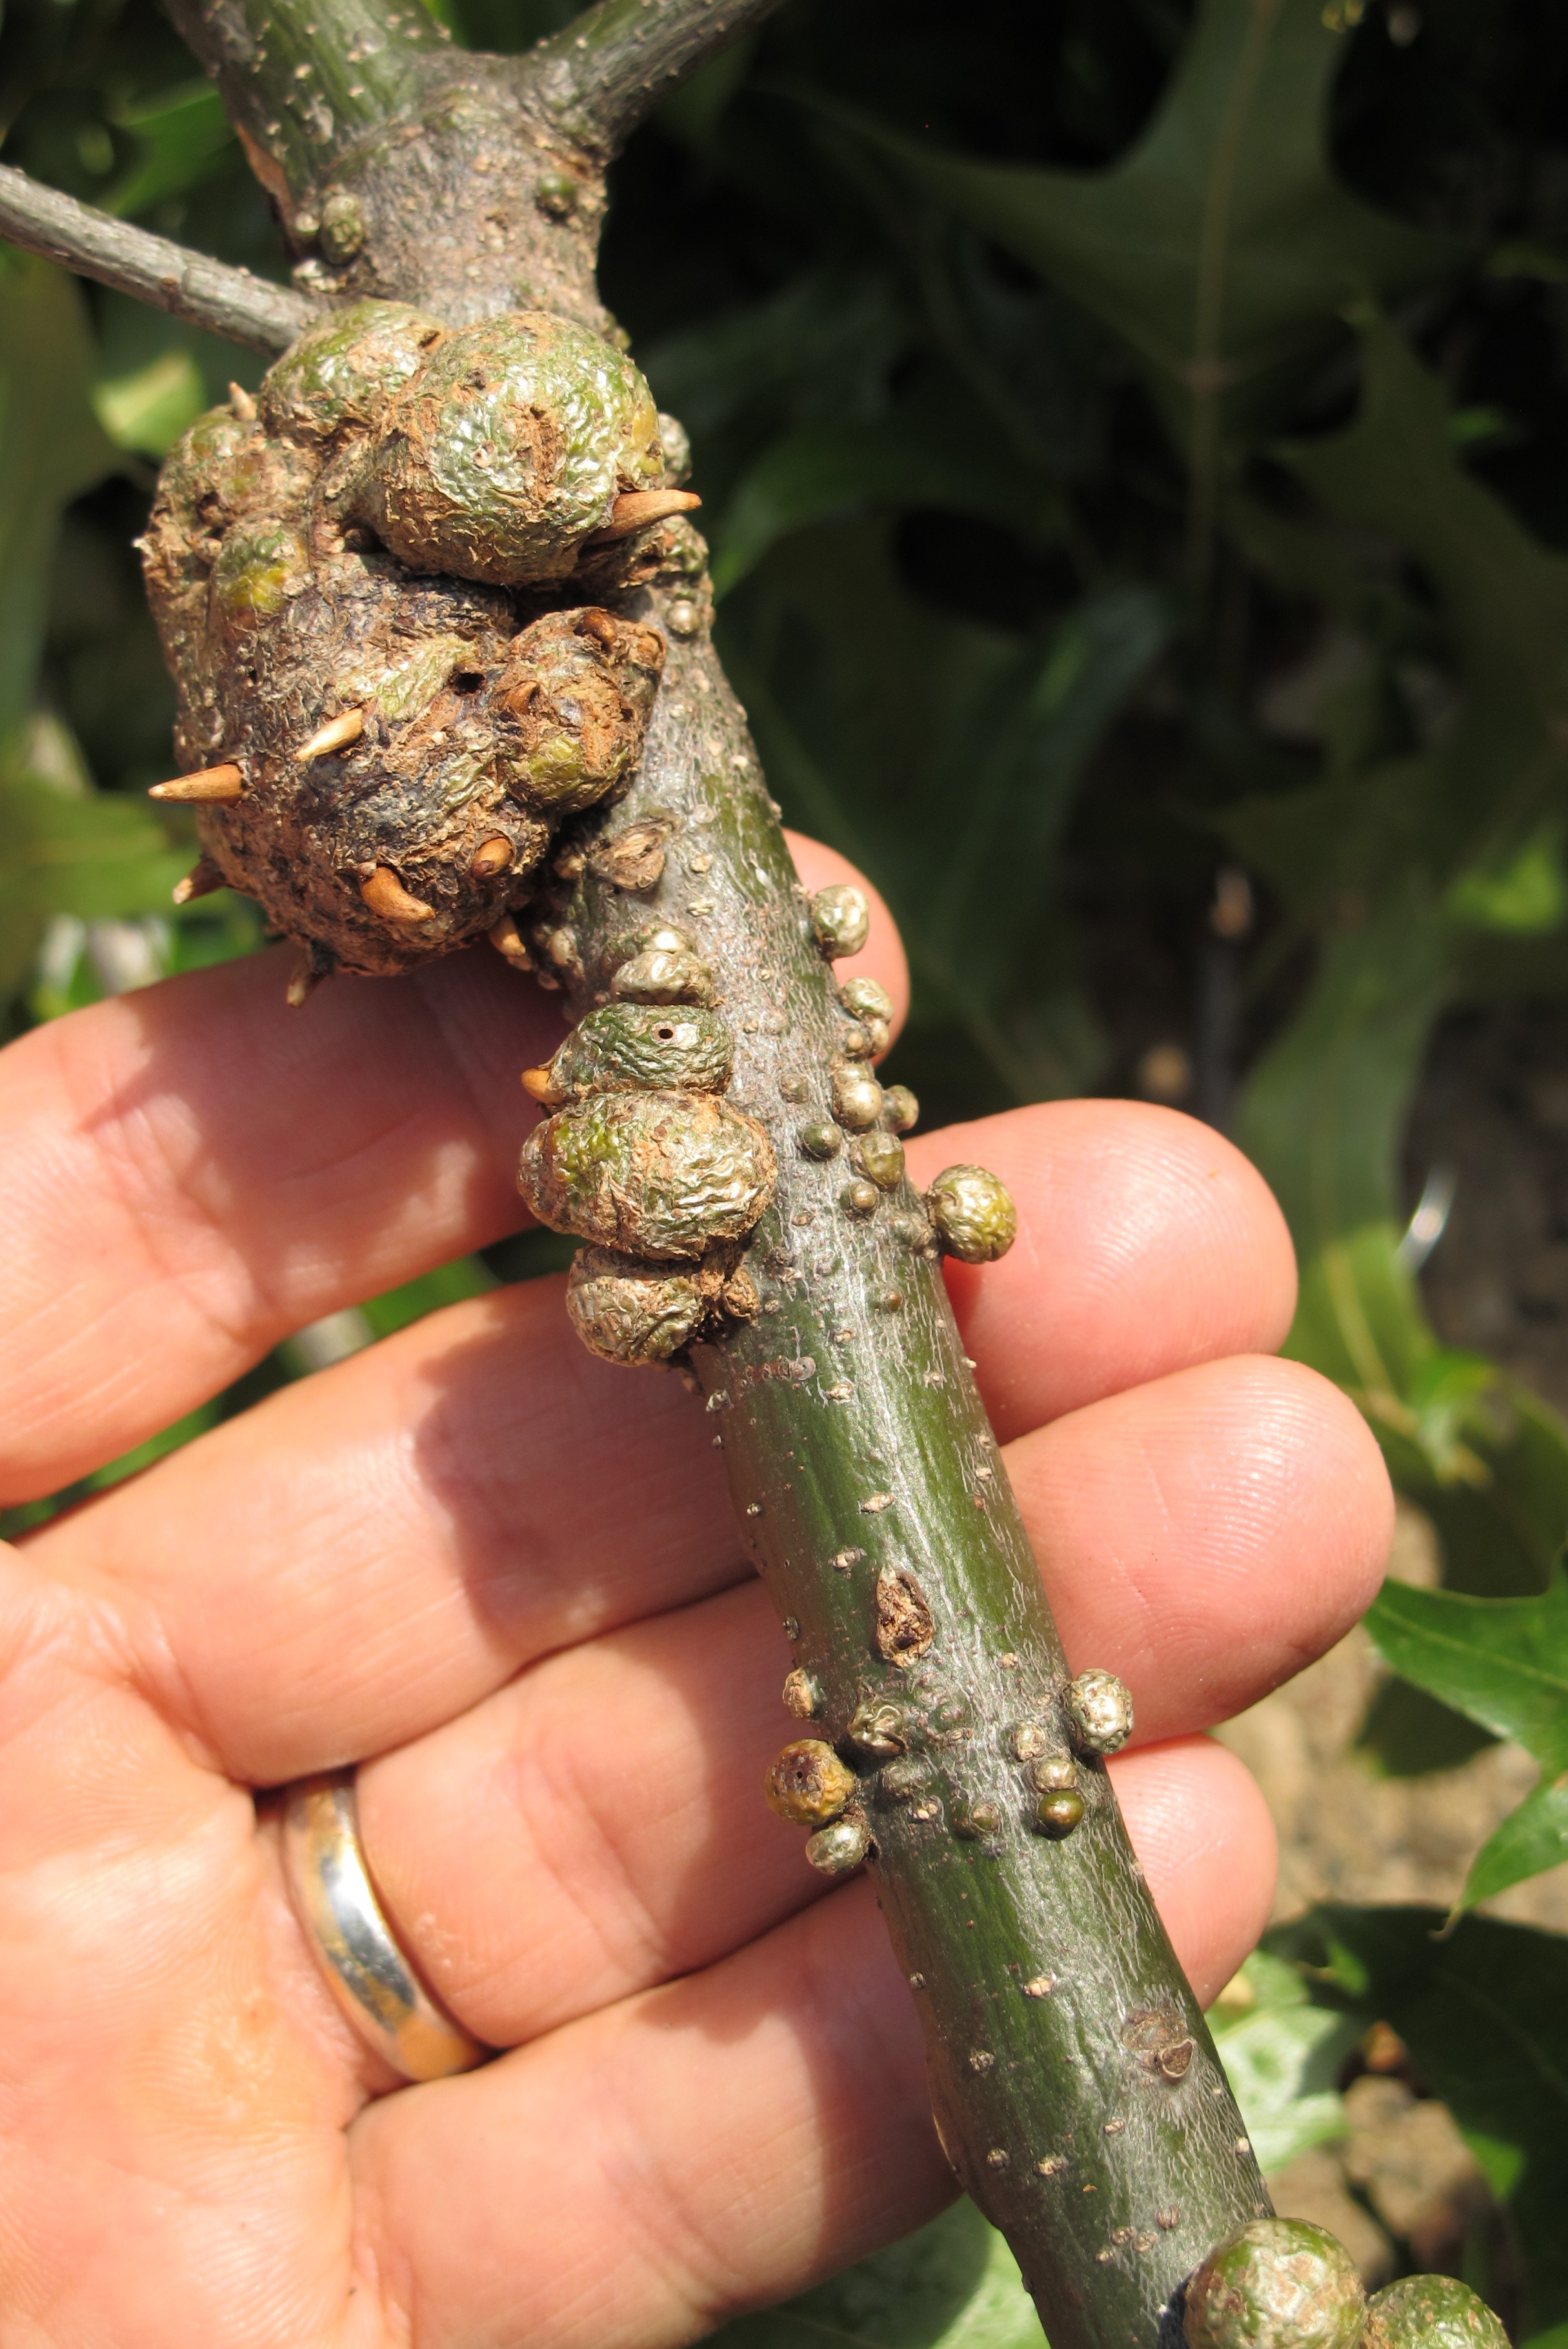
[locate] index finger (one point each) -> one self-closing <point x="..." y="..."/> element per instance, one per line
<point x="194" y="1171"/>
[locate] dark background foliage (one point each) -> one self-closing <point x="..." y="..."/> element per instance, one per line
<point x="1134" y="445"/>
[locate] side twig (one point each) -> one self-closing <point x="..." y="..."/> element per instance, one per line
<point x="227" y="301"/>
<point x="612" y="65"/>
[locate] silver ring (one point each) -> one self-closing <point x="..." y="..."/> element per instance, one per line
<point x="368" y="1974"/>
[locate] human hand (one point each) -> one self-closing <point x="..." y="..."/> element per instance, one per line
<point x="502" y="1577"/>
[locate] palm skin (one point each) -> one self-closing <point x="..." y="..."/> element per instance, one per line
<point x="502" y="1578"/>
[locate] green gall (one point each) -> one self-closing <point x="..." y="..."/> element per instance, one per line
<point x="342" y="373"/>
<point x="841" y="921"/>
<point x="856" y="1098"/>
<point x="1058" y="1813"/>
<point x="643" y="1047"/>
<point x="675" y="446"/>
<point x="1278" y="2283"/>
<point x="341" y="230"/>
<point x="821" y="1139"/>
<point x="878" y="1729"/>
<point x="859" y="1198"/>
<point x="508" y="450"/>
<point x="855" y="1042"/>
<point x="900" y="1111"/>
<point x="261" y="566"/>
<point x="973" y="1217"/>
<point x="840" y="1849"/>
<point x="863" y="998"/>
<point x="659" y="1175"/>
<point x="1429" y="2312"/>
<point x="663" y="975"/>
<point x="808" y="1783"/>
<point x="631" y="1313"/>
<point x="880" y="1156"/>
<point x="980" y="1820"/>
<point x="556" y="193"/>
<point x="1099" y="1710"/>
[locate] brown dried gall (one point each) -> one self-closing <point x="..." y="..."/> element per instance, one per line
<point x="904" y="1627"/>
<point x="808" y="1783"/>
<point x="841" y="921"/>
<point x="973" y="1217"/>
<point x="803" y="1694"/>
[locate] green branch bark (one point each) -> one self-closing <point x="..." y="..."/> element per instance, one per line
<point x="1076" y="2091"/>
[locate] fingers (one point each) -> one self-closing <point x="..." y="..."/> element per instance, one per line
<point x="598" y="1827"/>
<point x="730" y="2138"/>
<point x="1146" y="1241"/>
<point x="478" y="1490"/>
<point x="194" y="1171"/>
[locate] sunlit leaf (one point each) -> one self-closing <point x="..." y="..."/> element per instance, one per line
<point x="954" y="2285"/>
<point x="1280" y="2053"/>
<point x="147" y="410"/>
<point x="180" y="136"/>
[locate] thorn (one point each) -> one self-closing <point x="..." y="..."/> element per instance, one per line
<point x="243" y="406"/>
<point x="336" y="735"/>
<point x="309" y="974"/>
<point x="507" y="940"/>
<point x="385" y="894"/>
<point x="635" y="508"/>
<point x="209" y="784"/>
<point x="199" y="882"/>
<point x="491" y="856"/>
<point x="537" y="1082"/>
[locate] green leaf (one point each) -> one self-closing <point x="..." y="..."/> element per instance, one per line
<point x="180" y="136"/>
<point x="1282" y="2053"/>
<point x="1220" y="249"/>
<point x="1502" y="1662"/>
<point x="1484" y="2012"/>
<point x="51" y="447"/>
<point x="829" y="467"/>
<point x="953" y="2285"/>
<point x="146" y="411"/>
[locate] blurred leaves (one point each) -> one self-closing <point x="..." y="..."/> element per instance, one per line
<point x="1483" y="2011"/>
<point x="1282" y="2055"/>
<point x="953" y="2285"/>
<point x="1221" y="249"/>
<point x="1503" y="1663"/>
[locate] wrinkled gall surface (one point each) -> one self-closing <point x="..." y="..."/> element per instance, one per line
<point x="409" y="529"/>
<point x="1279" y="2283"/>
<point x="1429" y="2312"/>
<point x="658" y="1175"/>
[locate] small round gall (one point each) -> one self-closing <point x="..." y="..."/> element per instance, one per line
<point x="821" y="1139"/>
<point x="841" y="921"/>
<point x="980" y="1820"/>
<point x="972" y="1213"/>
<point x="855" y="1042"/>
<point x="1054" y="1774"/>
<point x="1429" y="2312"/>
<point x="839" y="1850"/>
<point x="1281" y="2281"/>
<point x="683" y="618"/>
<point x="555" y="194"/>
<point x="675" y="444"/>
<point x="1057" y="1815"/>
<point x="900" y="1110"/>
<point x="863" y="998"/>
<point x="803" y="1694"/>
<point x="859" y="1197"/>
<point x="856" y="1098"/>
<point x="881" y="1155"/>
<point x="878" y="1729"/>
<point x="1100" y="1711"/>
<point x="808" y="1783"/>
<point x="342" y="231"/>
<point x="1029" y="1741"/>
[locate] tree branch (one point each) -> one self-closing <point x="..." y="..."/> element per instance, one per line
<point x="612" y="65"/>
<point x="227" y="301"/>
